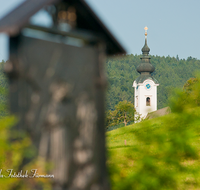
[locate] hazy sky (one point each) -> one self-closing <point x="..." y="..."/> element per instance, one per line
<point x="173" y="25"/>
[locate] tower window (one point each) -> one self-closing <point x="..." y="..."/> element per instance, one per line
<point x="148" y="103"/>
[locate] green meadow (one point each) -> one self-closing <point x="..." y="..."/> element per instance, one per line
<point x="161" y="153"/>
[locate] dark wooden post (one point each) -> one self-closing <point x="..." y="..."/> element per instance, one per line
<point x="57" y="88"/>
<point x="59" y="99"/>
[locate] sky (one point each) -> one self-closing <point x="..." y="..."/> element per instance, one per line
<point x="173" y="25"/>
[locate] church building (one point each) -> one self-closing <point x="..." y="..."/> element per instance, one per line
<point x="145" y="86"/>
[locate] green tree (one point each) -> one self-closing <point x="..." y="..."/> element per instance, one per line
<point x="190" y="94"/>
<point x="109" y="118"/>
<point x="189" y="85"/>
<point x="123" y="113"/>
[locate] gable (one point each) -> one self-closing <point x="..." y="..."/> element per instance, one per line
<point x="87" y="20"/>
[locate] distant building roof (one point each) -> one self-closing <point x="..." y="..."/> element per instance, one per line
<point x="158" y="113"/>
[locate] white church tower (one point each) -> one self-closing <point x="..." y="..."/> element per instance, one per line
<point x="145" y="86"/>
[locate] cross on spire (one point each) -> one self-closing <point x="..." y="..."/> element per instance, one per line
<point x="145" y="28"/>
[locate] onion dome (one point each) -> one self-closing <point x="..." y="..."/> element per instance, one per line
<point x="145" y="49"/>
<point x="145" y="65"/>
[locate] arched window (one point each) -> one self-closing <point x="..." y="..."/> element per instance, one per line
<point x="148" y="102"/>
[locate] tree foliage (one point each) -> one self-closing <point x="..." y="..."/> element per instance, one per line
<point x="123" y="113"/>
<point x="189" y="85"/>
<point x="170" y="72"/>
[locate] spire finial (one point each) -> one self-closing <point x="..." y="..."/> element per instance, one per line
<point x="145" y="49"/>
<point x="145" y="28"/>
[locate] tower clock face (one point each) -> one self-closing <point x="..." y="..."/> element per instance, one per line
<point x="148" y="86"/>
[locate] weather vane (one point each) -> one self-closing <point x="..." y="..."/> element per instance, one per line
<point x="145" y="28"/>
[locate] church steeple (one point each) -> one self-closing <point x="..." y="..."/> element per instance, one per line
<point x="145" y="66"/>
<point x="145" y="86"/>
<point x="145" y="49"/>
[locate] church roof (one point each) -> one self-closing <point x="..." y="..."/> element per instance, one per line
<point x="144" y="77"/>
<point x="145" y="49"/>
<point x="145" y="68"/>
<point x="158" y="113"/>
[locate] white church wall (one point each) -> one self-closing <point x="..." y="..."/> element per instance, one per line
<point x="141" y="93"/>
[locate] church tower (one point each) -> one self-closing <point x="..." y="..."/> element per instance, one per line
<point x="145" y="86"/>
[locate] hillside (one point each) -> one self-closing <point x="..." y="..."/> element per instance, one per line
<point x="161" y="153"/>
<point x="169" y="71"/>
